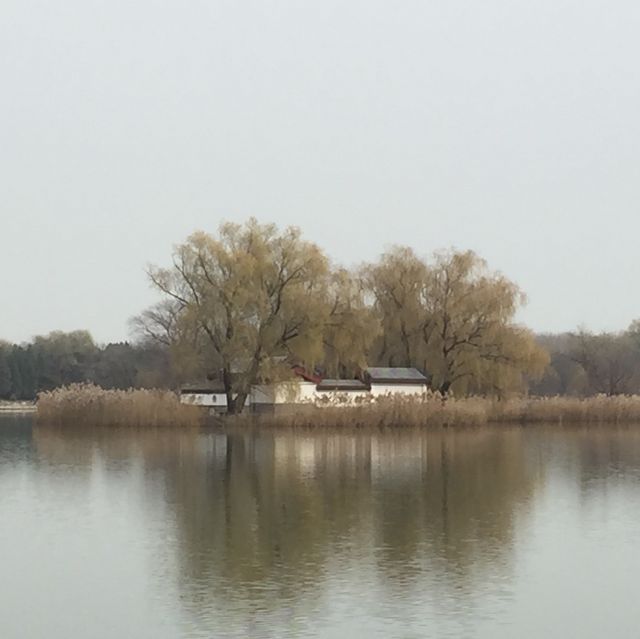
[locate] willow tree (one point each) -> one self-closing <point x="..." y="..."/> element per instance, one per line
<point x="167" y="325"/>
<point x="252" y="293"/>
<point x="453" y="319"/>
<point x="350" y="325"/>
<point x="161" y="323"/>
<point x="396" y="283"/>
<point x="470" y="339"/>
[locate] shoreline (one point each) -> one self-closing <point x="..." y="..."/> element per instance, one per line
<point x="141" y="408"/>
<point x="17" y="408"/>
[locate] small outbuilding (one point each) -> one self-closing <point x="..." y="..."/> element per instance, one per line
<point x="304" y="389"/>
<point x="210" y="394"/>
<point x="340" y="391"/>
<point x="281" y="396"/>
<point x="286" y="394"/>
<point x="395" y="381"/>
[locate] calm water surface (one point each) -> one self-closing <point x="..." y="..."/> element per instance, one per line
<point x="510" y="532"/>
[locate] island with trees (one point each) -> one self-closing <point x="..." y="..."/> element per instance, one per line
<point x="243" y="305"/>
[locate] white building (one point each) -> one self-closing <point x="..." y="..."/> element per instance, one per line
<point x="207" y="394"/>
<point x="336" y="392"/>
<point x="300" y="389"/>
<point x="269" y="396"/>
<point x="304" y="389"/>
<point x="395" y="381"/>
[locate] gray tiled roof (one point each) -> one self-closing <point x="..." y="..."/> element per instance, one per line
<point x="381" y="375"/>
<point x="342" y="385"/>
<point x="203" y="388"/>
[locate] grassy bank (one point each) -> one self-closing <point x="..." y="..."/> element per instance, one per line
<point x="86" y="404"/>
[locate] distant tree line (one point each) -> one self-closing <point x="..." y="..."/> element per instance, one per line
<point x="586" y="363"/>
<point x="59" y="358"/>
<point x="580" y="363"/>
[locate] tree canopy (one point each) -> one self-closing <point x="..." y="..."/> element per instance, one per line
<point x="251" y="295"/>
<point x="452" y="318"/>
<point x="239" y="302"/>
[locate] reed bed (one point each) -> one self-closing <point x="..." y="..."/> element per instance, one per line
<point x="90" y="405"/>
<point x="86" y="404"/>
<point x="601" y="409"/>
<point x="433" y="411"/>
<point x="380" y="412"/>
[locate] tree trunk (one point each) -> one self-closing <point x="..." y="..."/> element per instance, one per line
<point x="240" y="401"/>
<point x="407" y="347"/>
<point x="229" y="391"/>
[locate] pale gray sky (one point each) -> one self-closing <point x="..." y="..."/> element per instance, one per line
<point x="508" y="127"/>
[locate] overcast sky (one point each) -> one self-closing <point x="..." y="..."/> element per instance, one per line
<point x="508" y="127"/>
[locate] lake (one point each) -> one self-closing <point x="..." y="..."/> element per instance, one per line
<point x="490" y="533"/>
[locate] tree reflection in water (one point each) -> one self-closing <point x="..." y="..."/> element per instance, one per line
<point x="267" y="516"/>
<point x="278" y="529"/>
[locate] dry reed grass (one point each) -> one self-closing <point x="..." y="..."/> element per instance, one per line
<point x="90" y="405"/>
<point x="431" y="411"/>
<point x="621" y="409"/>
<point x="86" y="404"/>
<point x="426" y="411"/>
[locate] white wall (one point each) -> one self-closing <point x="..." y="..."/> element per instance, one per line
<point x="204" y="399"/>
<point x="216" y="400"/>
<point x="301" y="392"/>
<point x="339" y="398"/>
<point x="306" y="392"/>
<point x="398" y="389"/>
<point x="283" y="393"/>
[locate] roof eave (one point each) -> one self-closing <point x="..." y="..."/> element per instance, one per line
<point x="402" y="382"/>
